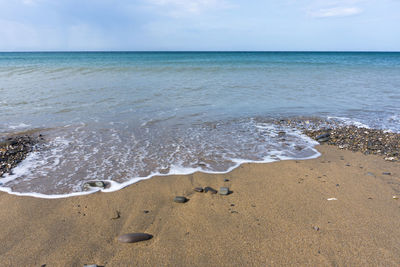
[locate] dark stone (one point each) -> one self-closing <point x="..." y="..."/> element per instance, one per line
<point x="134" y="237"/>
<point x="198" y="189"/>
<point x="146" y="211"/>
<point x="386" y="173"/>
<point x="322" y="140"/>
<point x="226" y="180"/>
<point x="323" y="136"/>
<point x="180" y="199"/>
<point x="210" y="189"/>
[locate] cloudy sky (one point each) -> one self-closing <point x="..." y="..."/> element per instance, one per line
<point x="31" y="25"/>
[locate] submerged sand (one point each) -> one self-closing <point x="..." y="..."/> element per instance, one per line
<point x="278" y="214"/>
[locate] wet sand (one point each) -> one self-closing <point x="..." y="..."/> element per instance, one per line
<point x="278" y="214"/>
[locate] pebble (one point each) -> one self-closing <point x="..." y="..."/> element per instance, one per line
<point x="99" y="184"/>
<point x="180" y="199"/>
<point x="322" y="140"/>
<point x="316" y="228"/>
<point x="198" y="189"/>
<point x="14" y="150"/>
<point x="386" y="173"/>
<point x="210" y="189"/>
<point x="134" y="237"/>
<point x="367" y="141"/>
<point x="226" y="180"/>
<point x="323" y="136"/>
<point x="224" y="191"/>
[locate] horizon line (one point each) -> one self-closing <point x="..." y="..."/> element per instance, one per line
<point x="199" y="51"/>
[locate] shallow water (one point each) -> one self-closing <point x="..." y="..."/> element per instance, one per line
<point x="127" y="116"/>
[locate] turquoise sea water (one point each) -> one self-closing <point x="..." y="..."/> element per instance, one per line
<point x="125" y="116"/>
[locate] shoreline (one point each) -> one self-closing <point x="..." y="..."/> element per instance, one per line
<point x="278" y="214"/>
<point x="16" y="147"/>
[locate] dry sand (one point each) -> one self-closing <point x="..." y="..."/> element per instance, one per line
<point x="277" y="209"/>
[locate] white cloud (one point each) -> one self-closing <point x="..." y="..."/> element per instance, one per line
<point x="336" y="12"/>
<point x="178" y="8"/>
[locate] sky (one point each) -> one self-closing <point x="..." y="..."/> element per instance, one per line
<point x="194" y="25"/>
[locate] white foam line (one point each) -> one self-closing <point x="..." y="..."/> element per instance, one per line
<point x="115" y="186"/>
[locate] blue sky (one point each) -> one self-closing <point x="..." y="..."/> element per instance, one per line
<point x="199" y="25"/>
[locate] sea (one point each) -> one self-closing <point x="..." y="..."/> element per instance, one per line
<point x="122" y="117"/>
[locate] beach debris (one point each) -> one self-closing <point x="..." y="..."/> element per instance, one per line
<point x="224" y="191"/>
<point x="395" y="197"/>
<point x="386" y="173"/>
<point x="332" y="198"/>
<point x="180" y="199"/>
<point x="117" y="215"/>
<point x="390" y="159"/>
<point x="210" y="189"/>
<point x="316" y="228"/>
<point x="134" y="237"/>
<point x="198" y="189"/>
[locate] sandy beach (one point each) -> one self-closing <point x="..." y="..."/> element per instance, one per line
<point x="278" y="214"/>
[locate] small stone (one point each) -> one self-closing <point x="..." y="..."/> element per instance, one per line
<point x="146" y="211"/>
<point x="224" y="191"/>
<point x="198" y="189"/>
<point x="117" y="215"/>
<point x="316" y="228"/>
<point x="180" y="199"/>
<point x="322" y="140"/>
<point x="232" y="205"/>
<point x="90" y="265"/>
<point x="386" y="173"/>
<point x="226" y="180"/>
<point x="134" y="237"/>
<point x="210" y="189"/>
<point x="337" y="185"/>
<point x="99" y="184"/>
<point x="390" y="158"/>
<point x="323" y="136"/>
<point x="371" y="174"/>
